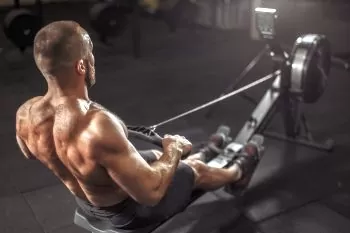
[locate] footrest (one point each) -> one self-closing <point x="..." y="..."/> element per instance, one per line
<point x="222" y="160"/>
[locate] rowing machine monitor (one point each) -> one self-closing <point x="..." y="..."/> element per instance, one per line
<point x="266" y="22"/>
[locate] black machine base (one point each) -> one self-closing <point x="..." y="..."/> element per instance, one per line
<point x="326" y="145"/>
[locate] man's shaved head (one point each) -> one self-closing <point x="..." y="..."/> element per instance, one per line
<point x="59" y="46"/>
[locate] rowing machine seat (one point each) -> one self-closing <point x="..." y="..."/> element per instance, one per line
<point x="99" y="226"/>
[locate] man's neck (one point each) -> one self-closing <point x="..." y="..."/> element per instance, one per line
<point x="56" y="91"/>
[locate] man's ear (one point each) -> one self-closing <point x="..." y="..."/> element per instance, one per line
<point x="81" y="67"/>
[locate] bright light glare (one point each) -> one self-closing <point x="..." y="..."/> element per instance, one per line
<point x="265" y="10"/>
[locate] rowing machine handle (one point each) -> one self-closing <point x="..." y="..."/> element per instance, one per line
<point x="146" y="134"/>
<point x="154" y="139"/>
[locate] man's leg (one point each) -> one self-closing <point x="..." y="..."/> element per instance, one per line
<point x="239" y="173"/>
<point x="209" y="178"/>
<point x="206" y="177"/>
<point x="193" y="174"/>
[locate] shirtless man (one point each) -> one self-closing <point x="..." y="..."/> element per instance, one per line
<point x="87" y="147"/>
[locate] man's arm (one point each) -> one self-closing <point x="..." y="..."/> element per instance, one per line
<point x="106" y="142"/>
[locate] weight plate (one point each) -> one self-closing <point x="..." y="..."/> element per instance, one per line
<point x="108" y="19"/>
<point x="21" y="26"/>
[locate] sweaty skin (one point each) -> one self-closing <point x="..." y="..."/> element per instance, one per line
<point x="86" y="147"/>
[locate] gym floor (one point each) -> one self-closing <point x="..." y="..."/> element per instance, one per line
<point x="294" y="190"/>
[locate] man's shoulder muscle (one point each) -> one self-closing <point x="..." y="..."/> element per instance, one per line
<point x="103" y="131"/>
<point x="23" y="110"/>
<point x="21" y="125"/>
<point x="26" y="105"/>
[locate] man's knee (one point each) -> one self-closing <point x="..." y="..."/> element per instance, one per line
<point x="198" y="167"/>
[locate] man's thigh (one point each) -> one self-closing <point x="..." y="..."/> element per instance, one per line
<point x="148" y="155"/>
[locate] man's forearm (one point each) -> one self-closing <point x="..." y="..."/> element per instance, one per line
<point x="166" y="167"/>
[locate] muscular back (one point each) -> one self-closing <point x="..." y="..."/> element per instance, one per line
<point x="50" y="132"/>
